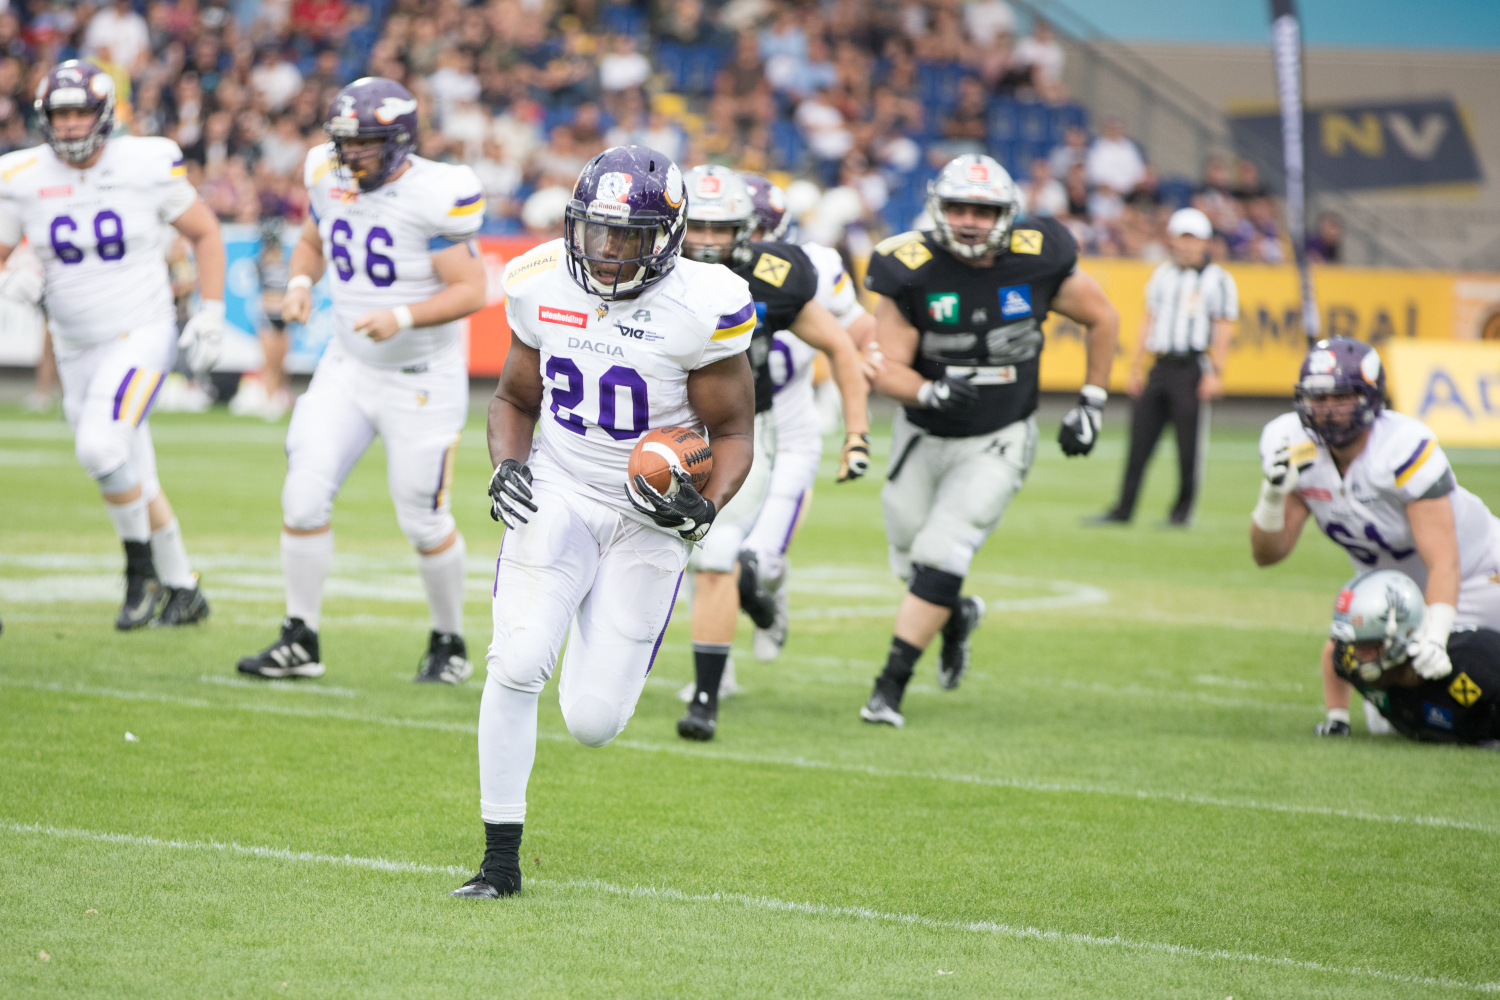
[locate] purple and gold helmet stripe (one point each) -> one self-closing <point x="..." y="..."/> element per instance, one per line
<point x="736" y="323"/>
<point x="135" y="395"/>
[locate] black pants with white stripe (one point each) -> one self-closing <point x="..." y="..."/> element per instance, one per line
<point x="1171" y="393"/>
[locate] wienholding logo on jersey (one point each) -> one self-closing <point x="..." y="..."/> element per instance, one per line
<point x="562" y="317"/>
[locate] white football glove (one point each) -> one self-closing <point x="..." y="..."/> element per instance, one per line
<point x="202" y="338"/>
<point x="1429" y="647"/>
<point x="22" y="285"/>
<point x="1270" y="512"/>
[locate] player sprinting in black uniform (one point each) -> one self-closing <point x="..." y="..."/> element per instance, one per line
<point x="1375" y="619"/>
<point x="783" y="283"/>
<point x="959" y="324"/>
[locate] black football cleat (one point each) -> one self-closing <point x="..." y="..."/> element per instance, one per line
<point x="880" y="710"/>
<point x="757" y="602"/>
<point x="480" y="887"/>
<point x="293" y="654"/>
<point x="953" y="661"/>
<point x="183" y="606"/>
<point x="1331" y="727"/>
<point x="446" y="662"/>
<point x="700" y="721"/>
<point x="500" y="871"/>
<point x="143" y="596"/>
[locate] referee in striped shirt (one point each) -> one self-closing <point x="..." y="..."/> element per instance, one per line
<point x="1192" y="306"/>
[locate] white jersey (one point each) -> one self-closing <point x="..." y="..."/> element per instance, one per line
<point x="1365" y="509"/>
<point x="98" y="232"/>
<point x="614" y="370"/>
<point x="791" y="359"/>
<point x="379" y="245"/>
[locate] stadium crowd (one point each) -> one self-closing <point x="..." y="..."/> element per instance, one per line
<point x="867" y="98"/>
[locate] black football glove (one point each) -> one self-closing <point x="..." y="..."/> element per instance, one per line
<point x="1080" y="425"/>
<point x="510" y="490"/>
<point x="948" y="393"/>
<point x="854" y="460"/>
<point x="687" y="511"/>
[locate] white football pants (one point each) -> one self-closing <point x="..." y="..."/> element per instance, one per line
<point x="946" y="495"/>
<point x="108" y="390"/>
<point x="720" y="548"/>
<point x="799" y="449"/>
<point x="418" y="411"/>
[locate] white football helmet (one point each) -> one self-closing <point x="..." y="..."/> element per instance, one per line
<point x="972" y="179"/>
<point x="1384" y="606"/>
<point x="718" y="197"/>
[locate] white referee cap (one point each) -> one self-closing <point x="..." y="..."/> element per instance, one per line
<point x="1190" y="222"/>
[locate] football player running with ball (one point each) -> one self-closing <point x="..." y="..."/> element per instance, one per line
<point x="95" y="209"/>
<point x="784" y="284"/>
<point x="397" y="229"/>
<point x="1377" y="622"/>
<point x="612" y="335"/>
<point x="959" y="323"/>
<point x="1376" y="482"/>
<point x="799" y="438"/>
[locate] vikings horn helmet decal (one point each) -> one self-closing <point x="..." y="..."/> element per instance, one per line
<point x="1335" y="367"/>
<point x="76" y="84"/>
<point x="771" y="217"/>
<point x="373" y="108"/>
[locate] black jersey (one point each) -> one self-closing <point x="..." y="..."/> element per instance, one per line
<point x="782" y="280"/>
<point x="1463" y="707"/>
<point x="985" y="323"/>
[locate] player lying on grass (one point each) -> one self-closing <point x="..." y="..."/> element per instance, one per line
<point x="1376" y="482"/>
<point x="1377" y="624"/>
<point x="95" y="209"/>
<point x="396" y="227"/>
<point x="582" y="559"/>
<point x="784" y="283"/>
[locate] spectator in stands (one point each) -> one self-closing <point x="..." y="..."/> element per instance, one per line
<point x="500" y="178"/>
<point x="966" y="127"/>
<point x="118" y="35"/>
<point x="813" y="74"/>
<point x="1045" y="195"/>
<point x="1040" y="54"/>
<point x="1074" y="151"/>
<point x="827" y="136"/>
<point x="987" y="20"/>
<point x="1247" y="183"/>
<point x="1211" y="195"/>
<point x="1325" y="244"/>
<point x="623" y="68"/>
<point x="277" y="79"/>
<point x="453" y="81"/>
<point x="1114" y="161"/>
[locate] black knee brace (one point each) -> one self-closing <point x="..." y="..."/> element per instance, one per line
<point x="935" y="586"/>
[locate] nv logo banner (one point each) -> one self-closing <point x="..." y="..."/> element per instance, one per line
<point x="1370" y="144"/>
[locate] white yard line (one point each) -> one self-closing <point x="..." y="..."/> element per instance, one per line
<point x="765" y="903"/>
<point x="1017" y="784"/>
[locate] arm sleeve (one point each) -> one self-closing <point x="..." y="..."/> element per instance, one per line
<point x="1229" y="297"/>
<point x="460" y="213"/>
<point x="732" y="330"/>
<point x="178" y="195"/>
<point x="1423" y="472"/>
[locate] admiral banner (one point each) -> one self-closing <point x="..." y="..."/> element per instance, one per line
<point x="1376" y="305"/>
<point x="1454" y="388"/>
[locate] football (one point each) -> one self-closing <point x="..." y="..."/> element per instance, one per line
<point x="660" y="450"/>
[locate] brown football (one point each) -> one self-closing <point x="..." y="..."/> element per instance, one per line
<point x="657" y="451"/>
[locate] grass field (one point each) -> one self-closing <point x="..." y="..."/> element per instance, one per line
<point x="1123" y="800"/>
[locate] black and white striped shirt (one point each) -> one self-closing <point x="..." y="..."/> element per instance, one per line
<point x="1184" y="302"/>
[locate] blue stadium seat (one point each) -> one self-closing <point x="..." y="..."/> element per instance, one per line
<point x="554" y="117"/>
<point x="1176" y="192"/>
<point x="1067" y="116"/>
<point x="787" y="147"/>
<point x="671" y="59"/>
<point x="1005" y="120"/>
<point x="1008" y="153"/>
<point x="937" y="85"/>
<point x="1035" y="121"/>
<point x="623" y="19"/>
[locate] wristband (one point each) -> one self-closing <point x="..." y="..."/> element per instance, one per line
<point x="212" y="307"/>
<point x="299" y="281"/>
<point x="1095" y="396"/>
<point x="1439" y="622"/>
<point x="1269" y="514"/>
<point x="403" y="317"/>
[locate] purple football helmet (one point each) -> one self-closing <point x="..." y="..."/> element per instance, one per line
<point x="624" y="224"/>
<point x="771" y="219"/>
<point x="373" y="107"/>
<point x="76" y="84"/>
<point x="1340" y="366"/>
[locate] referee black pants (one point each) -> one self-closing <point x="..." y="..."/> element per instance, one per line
<point x="1171" y="393"/>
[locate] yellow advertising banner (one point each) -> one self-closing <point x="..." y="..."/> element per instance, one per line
<point x="1454" y="388"/>
<point x="1381" y="306"/>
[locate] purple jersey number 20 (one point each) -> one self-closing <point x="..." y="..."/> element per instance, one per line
<point x="560" y="370"/>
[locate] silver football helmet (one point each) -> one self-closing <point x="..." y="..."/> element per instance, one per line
<point x="972" y="179"/>
<point x="718" y="197"/>
<point x="1384" y="606"/>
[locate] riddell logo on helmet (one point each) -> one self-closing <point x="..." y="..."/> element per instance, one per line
<point x="979" y="172"/>
<point x="1346" y="598"/>
<point x="562" y="317"/>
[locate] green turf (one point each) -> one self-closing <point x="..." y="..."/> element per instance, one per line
<point x="1123" y="799"/>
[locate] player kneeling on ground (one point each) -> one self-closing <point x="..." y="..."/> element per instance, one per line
<point x="612" y="335"/>
<point x="1376" y="482"/>
<point x="397" y="228"/>
<point x="959" y="322"/>
<point x="1377" y="634"/>
<point x="95" y="210"/>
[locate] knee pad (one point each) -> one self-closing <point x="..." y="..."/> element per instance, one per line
<point x="592" y="720"/>
<point x="935" y="586"/>
<point x="425" y="529"/>
<point x="306" y="501"/>
<point x="120" y="480"/>
<point x="521" y="660"/>
<point x="104" y="450"/>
